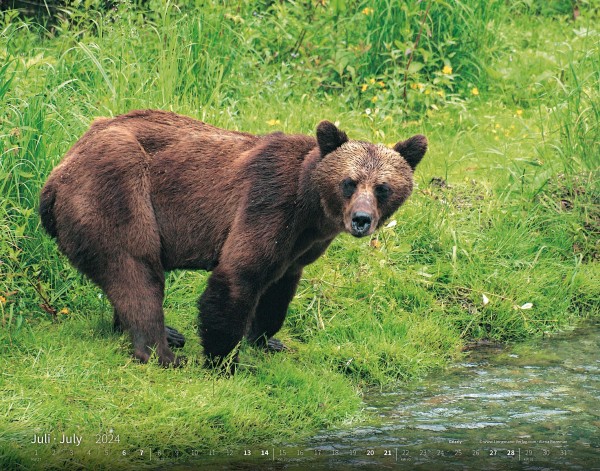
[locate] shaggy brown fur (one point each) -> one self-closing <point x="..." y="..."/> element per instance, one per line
<point x="152" y="191"/>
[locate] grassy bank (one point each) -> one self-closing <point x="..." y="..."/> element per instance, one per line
<point x="499" y="241"/>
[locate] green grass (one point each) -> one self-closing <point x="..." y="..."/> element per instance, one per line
<point x="503" y="244"/>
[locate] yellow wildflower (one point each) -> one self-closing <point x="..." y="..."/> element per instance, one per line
<point x="64" y="311"/>
<point x="372" y="81"/>
<point x="374" y="99"/>
<point x="475" y="91"/>
<point x="2" y="299"/>
<point x="413" y="86"/>
<point x="367" y="11"/>
<point x="447" y="70"/>
<point x="381" y="84"/>
<point x="519" y="112"/>
<point x="364" y="87"/>
<point x="273" y="122"/>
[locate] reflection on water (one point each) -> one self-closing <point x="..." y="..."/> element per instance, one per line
<point x="533" y="407"/>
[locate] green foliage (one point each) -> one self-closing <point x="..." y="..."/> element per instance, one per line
<point x="555" y="8"/>
<point x="501" y="244"/>
<point x="389" y="53"/>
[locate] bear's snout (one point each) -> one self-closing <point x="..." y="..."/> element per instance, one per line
<point x="361" y="223"/>
<point x="361" y="215"/>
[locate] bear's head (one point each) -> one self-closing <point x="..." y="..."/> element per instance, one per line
<point x="362" y="184"/>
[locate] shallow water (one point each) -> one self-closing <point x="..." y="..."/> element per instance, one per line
<point x="535" y="406"/>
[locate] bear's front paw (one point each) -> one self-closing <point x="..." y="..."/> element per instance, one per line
<point x="225" y="366"/>
<point x="276" y="345"/>
<point x="270" y="345"/>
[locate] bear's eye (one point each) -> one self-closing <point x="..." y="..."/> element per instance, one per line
<point x="348" y="187"/>
<point x="383" y="192"/>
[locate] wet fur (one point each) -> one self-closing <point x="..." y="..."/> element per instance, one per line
<point x="152" y="191"/>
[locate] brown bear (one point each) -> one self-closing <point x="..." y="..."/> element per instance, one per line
<point x="152" y="191"/>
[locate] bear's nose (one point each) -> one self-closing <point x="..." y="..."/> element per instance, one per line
<point x="361" y="222"/>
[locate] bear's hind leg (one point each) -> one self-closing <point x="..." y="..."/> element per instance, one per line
<point x="136" y="290"/>
<point x="271" y="311"/>
<point x="175" y="339"/>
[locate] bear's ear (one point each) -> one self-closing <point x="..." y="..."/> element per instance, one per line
<point x="329" y="137"/>
<point x="412" y="149"/>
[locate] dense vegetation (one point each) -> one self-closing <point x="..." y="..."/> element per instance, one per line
<point x="499" y="241"/>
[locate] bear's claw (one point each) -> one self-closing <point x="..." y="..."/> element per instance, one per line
<point x="275" y="345"/>
<point x="174" y="338"/>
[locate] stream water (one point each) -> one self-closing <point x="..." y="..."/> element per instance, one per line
<point x="535" y="406"/>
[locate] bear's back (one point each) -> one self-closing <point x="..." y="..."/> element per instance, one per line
<point x="158" y="130"/>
